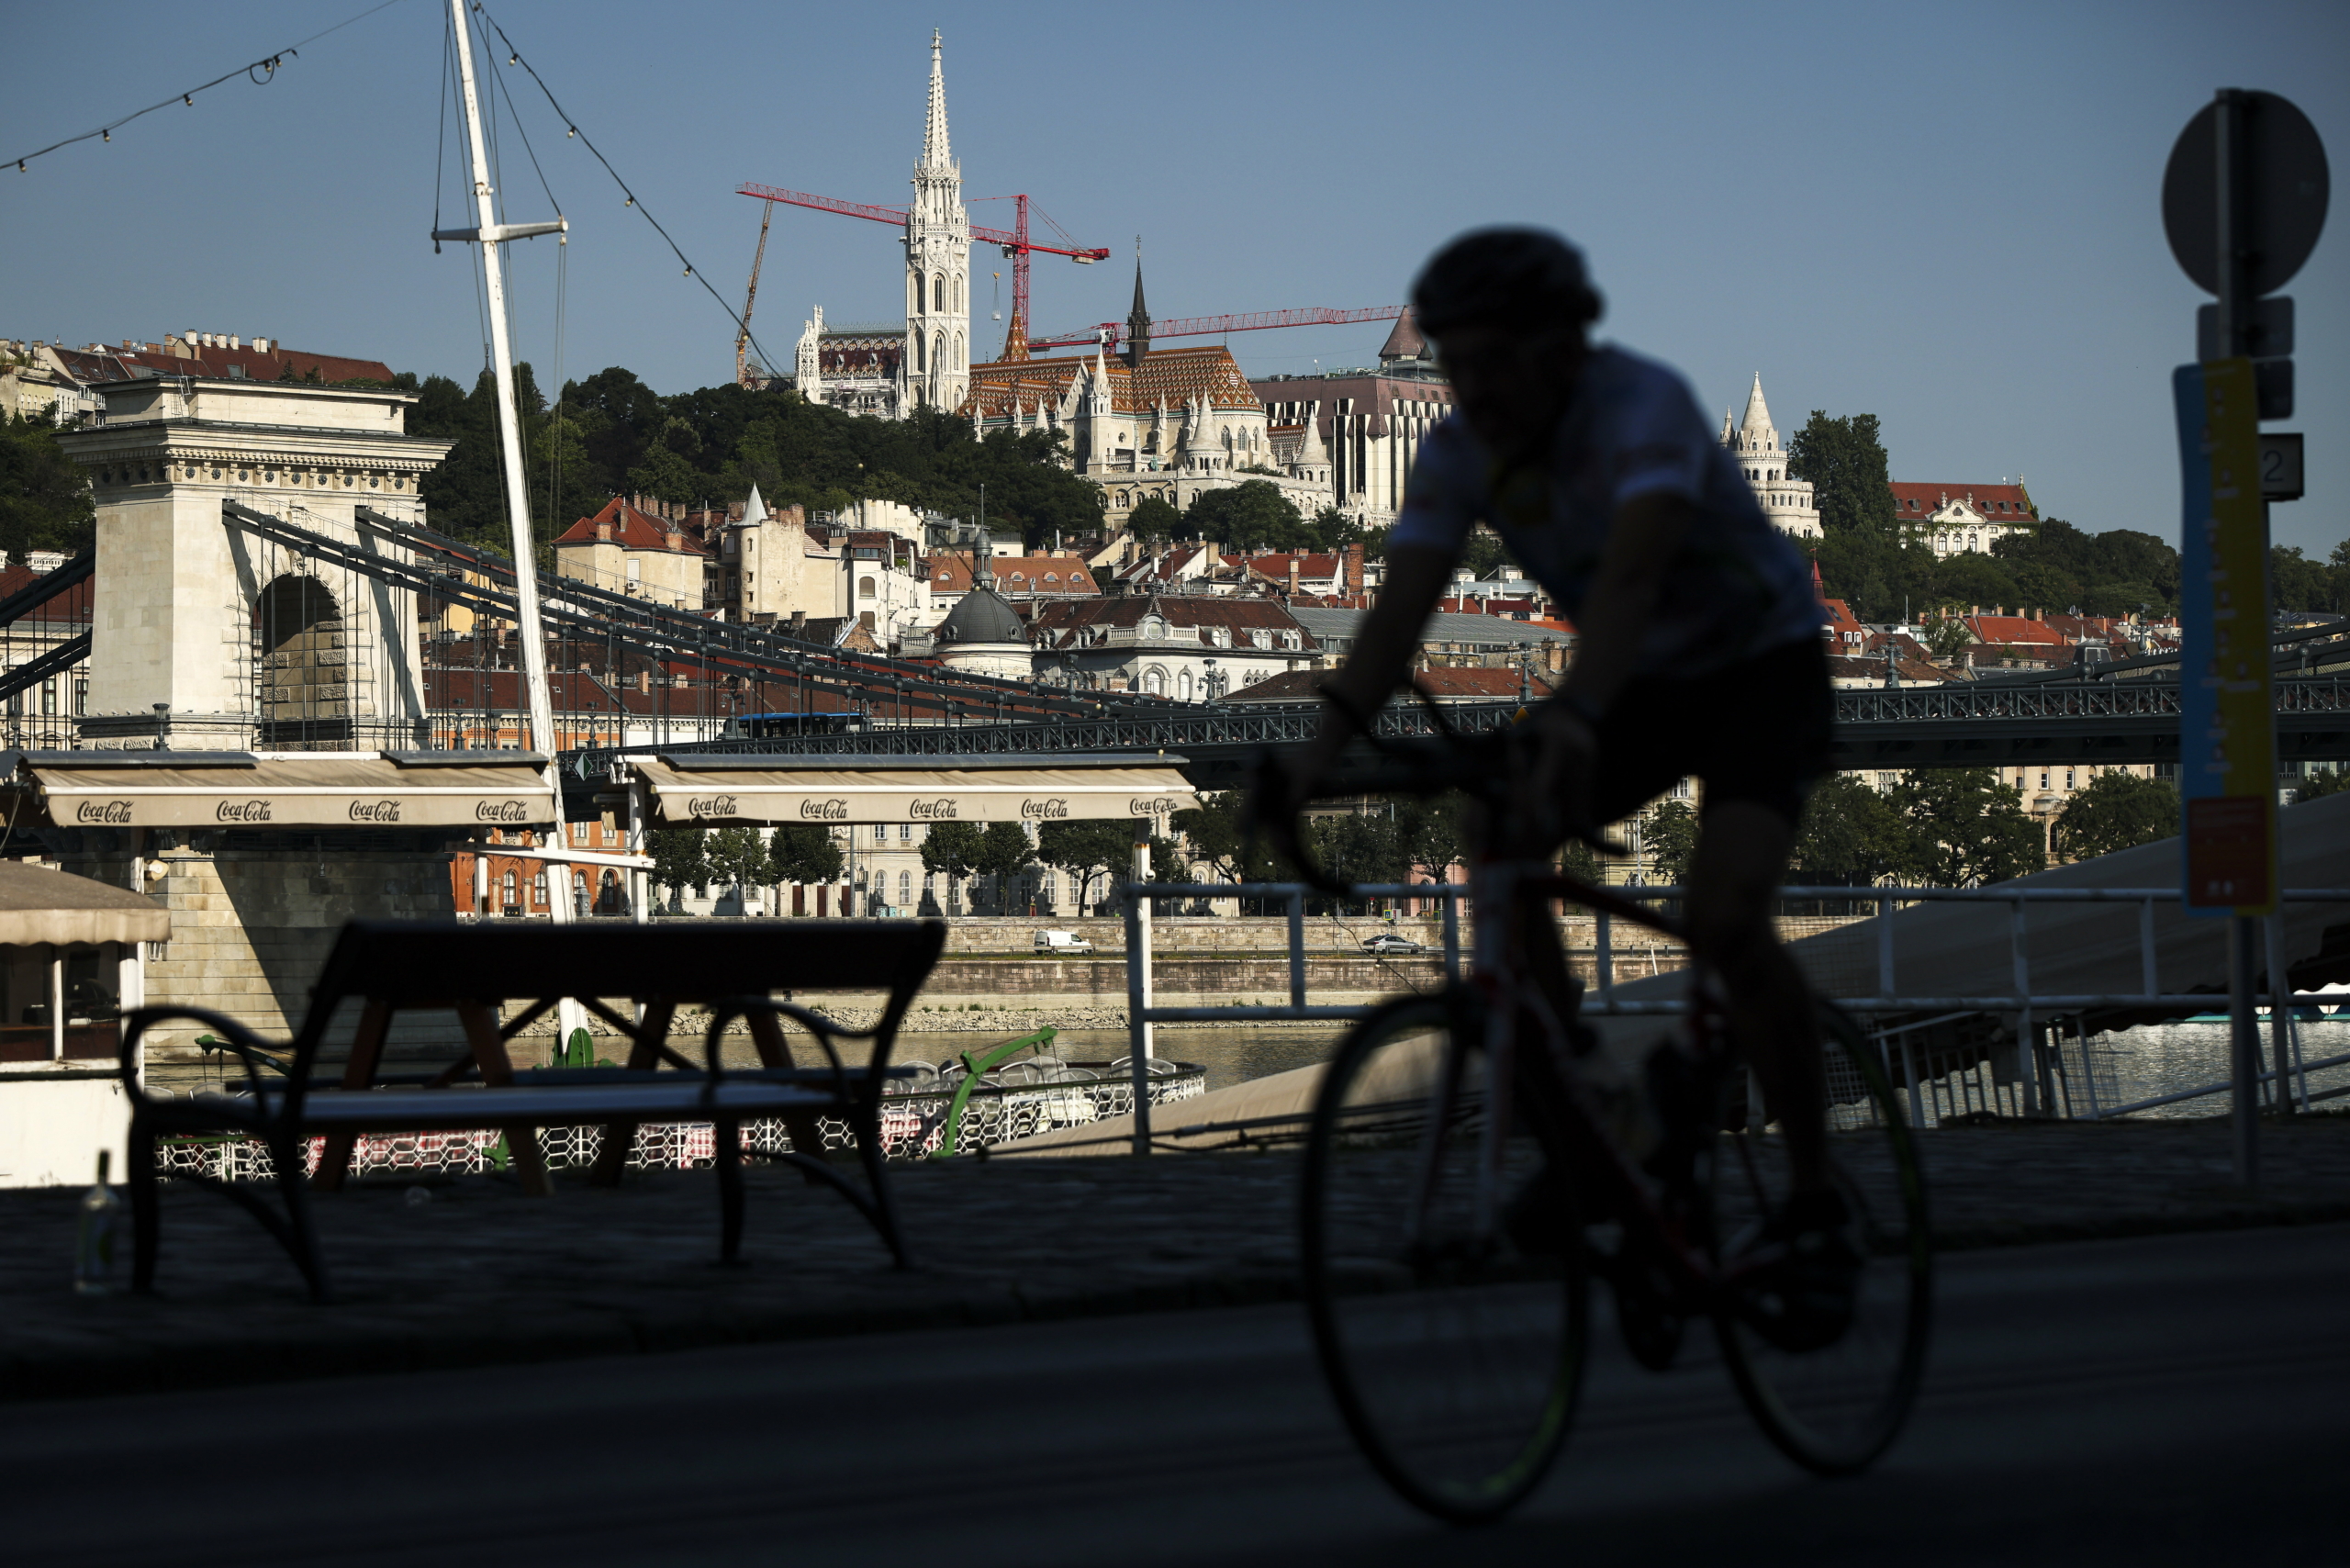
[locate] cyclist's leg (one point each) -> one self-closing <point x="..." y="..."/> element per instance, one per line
<point x="1743" y="853"/>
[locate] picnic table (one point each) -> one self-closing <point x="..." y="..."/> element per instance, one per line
<point x="734" y="970"/>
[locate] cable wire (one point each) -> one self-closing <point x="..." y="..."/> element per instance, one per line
<point x="267" y="65"/>
<point x="572" y="126"/>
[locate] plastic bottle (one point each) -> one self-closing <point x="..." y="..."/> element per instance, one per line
<point x="101" y="1221"/>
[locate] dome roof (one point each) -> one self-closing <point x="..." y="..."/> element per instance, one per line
<point x="982" y="616"/>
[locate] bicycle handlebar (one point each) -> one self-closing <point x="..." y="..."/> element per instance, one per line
<point x="1480" y="766"/>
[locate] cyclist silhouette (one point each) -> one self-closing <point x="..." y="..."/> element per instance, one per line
<point x="1700" y="652"/>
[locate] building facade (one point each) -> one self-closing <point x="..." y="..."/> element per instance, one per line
<point x="1362" y="429"/>
<point x="1763" y="459"/>
<point x="1952" y="519"/>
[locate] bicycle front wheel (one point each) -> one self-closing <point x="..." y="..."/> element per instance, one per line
<point x="1443" y="1267"/>
<point x="1836" y="1408"/>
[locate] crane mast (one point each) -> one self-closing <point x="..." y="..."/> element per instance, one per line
<point x="742" y="337"/>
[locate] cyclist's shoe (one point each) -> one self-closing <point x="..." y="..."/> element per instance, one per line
<point x="1802" y="1300"/>
<point x="1539" y="1215"/>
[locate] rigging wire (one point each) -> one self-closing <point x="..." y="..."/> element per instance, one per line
<point x="267" y="65"/>
<point x="515" y="56"/>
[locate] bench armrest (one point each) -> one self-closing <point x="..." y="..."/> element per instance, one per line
<point x="241" y="1042"/>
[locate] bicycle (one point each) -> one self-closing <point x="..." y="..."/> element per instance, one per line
<point x="1463" y="1186"/>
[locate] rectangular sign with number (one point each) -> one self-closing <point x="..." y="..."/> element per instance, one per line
<point x="2227" y="750"/>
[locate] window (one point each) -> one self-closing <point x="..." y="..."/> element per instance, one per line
<point x="539" y="890"/>
<point x="938" y="292"/>
<point x="2043" y="779"/>
<point x="905" y="832"/>
<point x="865" y="588"/>
<point x="880" y="834"/>
<point x="2068" y="778"/>
<point x="905" y="888"/>
<point x="506" y="885"/>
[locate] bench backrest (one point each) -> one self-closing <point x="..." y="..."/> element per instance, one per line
<point x="438" y="963"/>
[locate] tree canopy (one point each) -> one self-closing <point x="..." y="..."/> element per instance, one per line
<point x="45" y="501"/>
<point x="805" y="853"/>
<point x="2118" y="811"/>
<point x="1869" y="561"/>
<point x="610" y="434"/>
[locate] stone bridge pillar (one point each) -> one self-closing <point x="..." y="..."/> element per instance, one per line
<point x="210" y="637"/>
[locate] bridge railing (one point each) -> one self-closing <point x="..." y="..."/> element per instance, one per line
<point x="2041" y="1081"/>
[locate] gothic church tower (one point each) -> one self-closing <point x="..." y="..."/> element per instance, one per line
<point x="936" y="367"/>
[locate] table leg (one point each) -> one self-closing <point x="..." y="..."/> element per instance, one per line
<point x="774" y="1051"/>
<point x="643" y="1054"/>
<point x="497" y="1070"/>
<point x="358" y="1074"/>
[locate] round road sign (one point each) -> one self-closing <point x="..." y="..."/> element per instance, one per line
<point x="2284" y="166"/>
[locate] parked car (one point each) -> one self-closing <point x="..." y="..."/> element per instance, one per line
<point x="1058" y="942"/>
<point x="1388" y="942"/>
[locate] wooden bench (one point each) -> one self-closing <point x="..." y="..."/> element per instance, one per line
<point x="730" y="968"/>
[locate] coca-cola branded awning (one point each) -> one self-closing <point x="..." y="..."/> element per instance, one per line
<point x="717" y="790"/>
<point x="311" y="790"/>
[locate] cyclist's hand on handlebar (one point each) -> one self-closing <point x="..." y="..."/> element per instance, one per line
<point x="1551" y="795"/>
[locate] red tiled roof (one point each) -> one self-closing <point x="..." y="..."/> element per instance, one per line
<point x="1184" y="614"/>
<point x="2003" y="629"/>
<point x="1871" y="668"/>
<point x="1173" y="377"/>
<point x="1068" y="573"/>
<point x="632" y="529"/>
<point x="1914" y="501"/>
<point x="123" y="364"/>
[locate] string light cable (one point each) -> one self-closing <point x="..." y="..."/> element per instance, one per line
<point x="266" y="65"/>
<point x="514" y="57"/>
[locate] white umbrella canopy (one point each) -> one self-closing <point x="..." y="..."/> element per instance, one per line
<point x="39" y="905"/>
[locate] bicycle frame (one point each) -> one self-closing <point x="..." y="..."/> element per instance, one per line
<point x="1505" y="893"/>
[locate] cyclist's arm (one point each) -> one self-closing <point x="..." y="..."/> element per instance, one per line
<point x="1642" y="545"/>
<point x="1417" y="578"/>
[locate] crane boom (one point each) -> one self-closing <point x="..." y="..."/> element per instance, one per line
<point x="743" y="338"/>
<point x="1013" y="243"/>
<point x="1212" y="326"/>
<point x="897" y="214"/>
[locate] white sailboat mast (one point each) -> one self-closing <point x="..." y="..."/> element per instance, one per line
<point x="509" y="432"/>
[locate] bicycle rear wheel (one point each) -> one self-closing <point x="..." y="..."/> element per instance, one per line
<point x="1833" y="1410"/>
<point x="1452" y="1325"/>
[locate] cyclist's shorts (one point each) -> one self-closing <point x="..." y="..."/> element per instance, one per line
<point x="1755" y="731"/>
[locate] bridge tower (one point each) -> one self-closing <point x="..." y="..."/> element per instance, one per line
<point x="207" y="636"/>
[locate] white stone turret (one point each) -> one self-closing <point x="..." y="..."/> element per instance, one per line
<point x="1785" y="500"/>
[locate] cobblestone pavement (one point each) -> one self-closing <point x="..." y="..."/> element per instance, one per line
<point x="477" y="1273"/>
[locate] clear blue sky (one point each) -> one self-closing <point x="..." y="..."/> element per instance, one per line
<point x="1945" y="214"/>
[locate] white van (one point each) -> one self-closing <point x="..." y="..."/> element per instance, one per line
<point x="1062" y="941"/>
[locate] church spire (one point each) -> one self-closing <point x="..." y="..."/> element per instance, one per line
<point x="1756" y="426"/>
<point x="1138" y="319"/>
<point x="936" y="153"/>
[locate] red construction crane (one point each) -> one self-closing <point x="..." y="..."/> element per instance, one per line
<point x="1110" y="333"/>
<point x="1014" y="242"/>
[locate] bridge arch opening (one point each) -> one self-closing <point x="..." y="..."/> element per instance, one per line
<point x="302" y="691"/>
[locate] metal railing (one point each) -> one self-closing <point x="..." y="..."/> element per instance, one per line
<point x="2037" y="1072"/>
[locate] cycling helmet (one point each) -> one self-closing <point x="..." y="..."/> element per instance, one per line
<point x="1526" y="278"/>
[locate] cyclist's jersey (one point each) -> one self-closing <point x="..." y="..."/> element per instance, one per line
<point x="1739" y="587"/>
